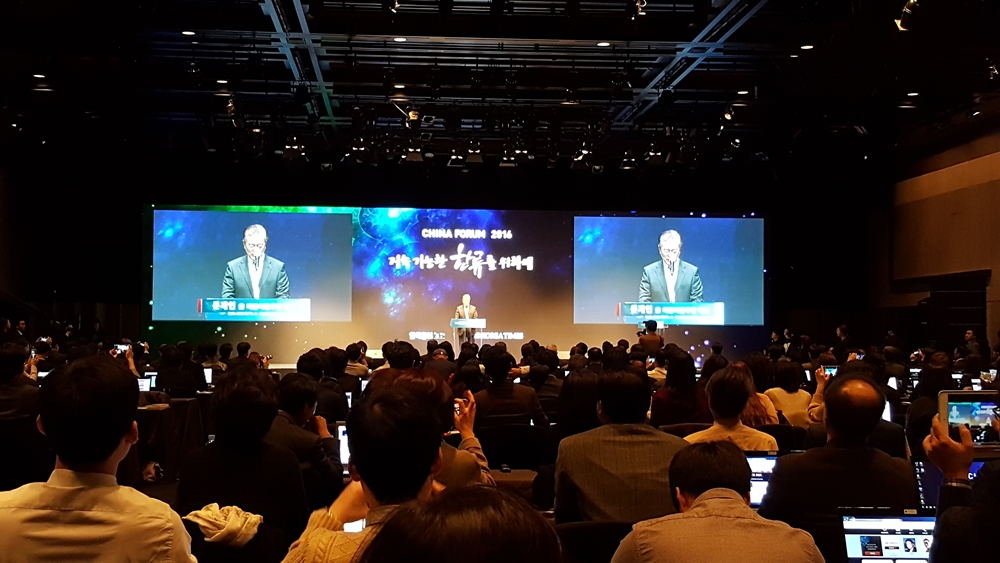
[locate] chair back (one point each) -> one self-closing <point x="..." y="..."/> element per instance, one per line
<point x="517" y="446"/>
<point x="591" y="542"/>
<point x="788" y="437"/>
<point x="685" y="428"/>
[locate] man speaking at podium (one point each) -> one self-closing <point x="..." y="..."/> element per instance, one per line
<point x="466" y="311"/>
<point x="256" y="275"/>
<point x="670" y="280"/>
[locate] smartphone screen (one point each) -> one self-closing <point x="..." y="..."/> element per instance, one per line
<point x="830" y="370"/>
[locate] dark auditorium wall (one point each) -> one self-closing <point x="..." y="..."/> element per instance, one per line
<point x="11" y="241"/>
<point x="945" y="219"/>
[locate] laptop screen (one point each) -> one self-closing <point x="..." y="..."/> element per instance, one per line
<point x="208" y="375"/>
<point x="349" y="395"/>
<point x="887" y="412"/>
<point x="42" y="374"/>
<point x="929" y="479"/>
<point x="364" y="383"/>
<point x="144" y="384"/>
<point x="761" y="467"/>
<point x="151" y="375"/>
<point x="897" y="537"/>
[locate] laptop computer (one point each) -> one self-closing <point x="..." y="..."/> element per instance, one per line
<point x="761" y="467"/>
<point x="929" y="479"/>
<point x="151" y="375"/>
<point x="873" y="535"/>
<point x="145" y="385"/>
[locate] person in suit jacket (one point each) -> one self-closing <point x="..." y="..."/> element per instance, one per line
<point x="256" y="275"/>
<point x="670" y="280"/>
<point x="617" y="472"/>
<point x="439" y="363"/>
<point x="504" y="400"/>
<point x="466" y="311"/>
<point x="806" y="490"/>
<point x="299" y="429"/>
<point x="239" y="468"/>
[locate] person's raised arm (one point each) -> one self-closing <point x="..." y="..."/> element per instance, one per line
<point x="954" y="459"/>
<point x="465" y="418"/>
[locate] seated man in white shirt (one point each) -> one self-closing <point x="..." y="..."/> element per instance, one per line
<point x="716" y="524"/>
<point x="88" y="410"/>
<point x="728" y="392"/>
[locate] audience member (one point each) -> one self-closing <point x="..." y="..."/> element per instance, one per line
<point x="239" y="468"/>
<point x="649" y="340"/>
<point x="225" y="351"/>
<point x="617" y="472"/>
<point x="355" y="361"/>
<point x="760" y="410"/>
<point x="502" y="399"/>
<point x="712" y="364"/>
<point x="432" y="345"/>
<point x="788" y="396"/>
<point x="716" y="525"/>
<point x="173" y="378"/>
<point x="658" y="373"/>
<point x="680" y="399"/>
<point x="542" y="375"/>
<point x="332" y="399"/>
<point x="934" y="378"/>
<point x="728" y="393"/>
<point x="298" y="428"/>
<point x="87" y="411"/>
<point x="478" y="524"/>
<point x="577" y="399"/>
<point x="18" y="392"/>
<point x="395" y="444"/>
<point x="805" y="490"/>
<point x="209" y="354"/>
<point x="242" y="356"/>
<point x="440" y="364"/>
<point x="465" y="465"/>
<point x="963" y="507"/>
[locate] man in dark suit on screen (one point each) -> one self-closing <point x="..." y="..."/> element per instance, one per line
<point x="670" y="280"/>
<point x="256" y="275"/>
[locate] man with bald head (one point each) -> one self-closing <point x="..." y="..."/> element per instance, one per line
<point x="806" y="489"/>
<point x="670" y="279"/>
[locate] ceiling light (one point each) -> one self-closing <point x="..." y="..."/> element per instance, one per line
<point x="604" y="44"/>
<point x="400" y="40"/>
<point x="187" y="33"/>
<point x="794" y="56"/>
<point x="913" y="94"/>
<point x="220" y="81"/>
<point x="399" y="86"/>
<point x="806" y="47"/>
<point x="38" y="75"/>
<point x="742" y="92"/>
<point x="907" y="107"/>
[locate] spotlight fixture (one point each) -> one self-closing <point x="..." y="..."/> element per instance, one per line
<point x="390" y="6"/>
<point x="905" y="21"/>
<point x="729" y="114"/>
<point x="413" y="152"/>
<point x="736" y="143"/>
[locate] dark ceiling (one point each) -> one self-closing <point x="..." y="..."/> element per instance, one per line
<point x="572" y="84"/>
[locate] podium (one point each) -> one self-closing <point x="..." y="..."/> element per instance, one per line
<point x="456" y="324"/>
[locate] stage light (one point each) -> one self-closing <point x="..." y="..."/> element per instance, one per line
<point x="736" y="143"/>
<point x="628" y="163"/>
<point x="604" y="44"/>
<point x="475" y="153"/>
<point x="994" y="73"/>
<point x="187" y="33"/>
<point x="743" y="92"/>
<point x="38" y="75"/>
<point x="400" y="40"/>
<point x="634" y="8"/>
<point x="729" y="114"/>
<point x="390" y="6"/>
<point x="806" y="47"/>
<point x="913" y="94"/>
<point x="222" y="81"/>
<point x="793" y="56"/>
<point x="399" y="86"/>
